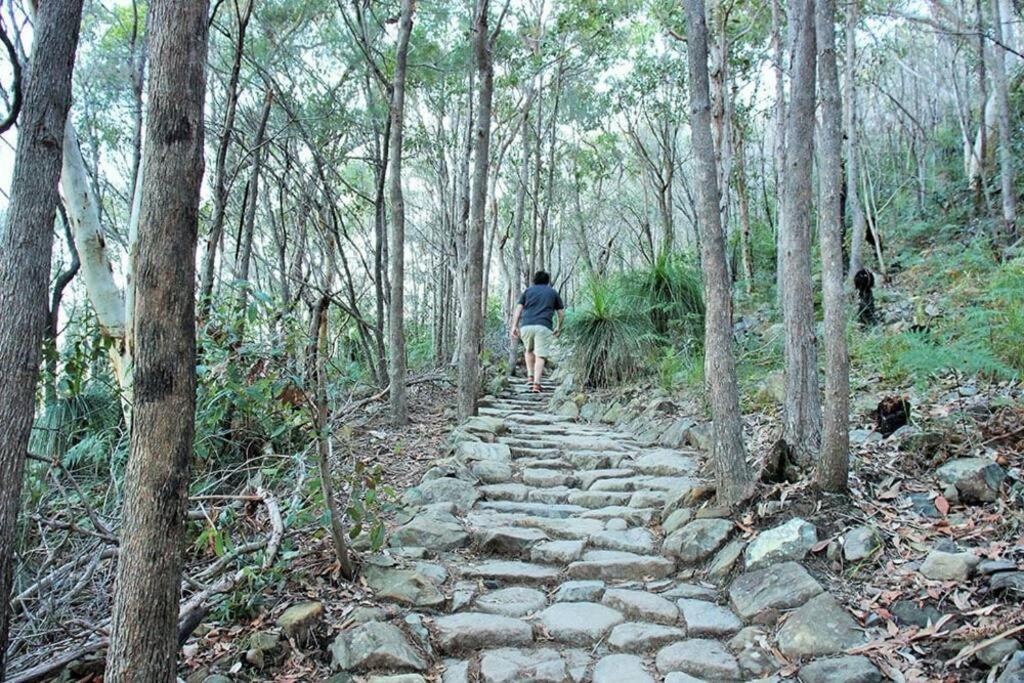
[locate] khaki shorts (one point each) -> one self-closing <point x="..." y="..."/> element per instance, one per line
<point x="538" y="340"/>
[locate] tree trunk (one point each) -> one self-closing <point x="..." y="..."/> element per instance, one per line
<point x="220" y="192"/>
<point x="858" y="222"/>
<point x="1007" y="174"/>
<point x="143" y="633"/>
<point x="469" y="362"/>
<point x="833" y="466"/>
<point x="731" y="473"/>
<point x="802" y="408"/>
<point x="25" y="250"/>
<point x="396" y="328"/>
<point x="747" y="258"/>
<point x="779" y="124"/>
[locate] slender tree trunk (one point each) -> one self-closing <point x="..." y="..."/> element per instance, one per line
<point x="26" y="244"/>
<point x="396" y="327"/>
<point x="143" y="634"/>
<point x="1007" y="174"/>
<point x="249" y="214"/>
<point x="731" y="473"/>
<point x="744" y="202"/>
<point x="833" y="466"/>
<point x="779" y="127"/>
<point x="802" y="408"/>
<point x="220" y="191"/>
<point x="858" y="222"/>
<point x="469" y="365"/>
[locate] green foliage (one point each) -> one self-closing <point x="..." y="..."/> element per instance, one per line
<point x="671" y="293"/>
<point x="610" y="337"/>
<point x="681" y="367"/>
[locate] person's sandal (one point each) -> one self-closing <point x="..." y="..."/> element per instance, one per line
<point x="535" y="388"/>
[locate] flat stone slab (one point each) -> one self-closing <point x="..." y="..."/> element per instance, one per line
<point x="572" y="528"/>
<point x="546" y="477"/>
<point x="511" y="571"/>
<point x="468" y="631"/>
<point x="557" y="552"/>
<point x="587" y="478"/>
<point x="511" y="491"/>
<point x="515" y="601"/>
<point x="620" y="566"/>
<point x="621" y="669"/>
<point x="780" y="586"/>
<point x="404" y="586"/>
<point x="641" y="606"/>
<point x="698" y="657"/>
<point x="512" y="665"/>
<point x="698" y="539"/>
<point x="850" y="669"/>
<point x="535" y="509"/>
<point x="704" y="618"/>
<point x="636" y="636"/>
<point x="437" y="531"/>
<point x="634" y="516"/>
<point x="375" y="645"/>
<point x="599" y="499"/>
<point x="665" y="462"/>
<point x="580" y="591"/>
<point x="820" y="627"/>
<point x="491" y="471"/>
<point x="635" y="540"/>
<point x="511" y="541"/>
<point x="579" y="623"/>
<point x="468" y="451"/>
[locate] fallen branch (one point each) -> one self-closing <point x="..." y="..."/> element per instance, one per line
<point x="977" y="647"/>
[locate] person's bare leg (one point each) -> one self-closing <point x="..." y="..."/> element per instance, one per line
<point x="530" y="358"/>
<point x="538" y="369"/>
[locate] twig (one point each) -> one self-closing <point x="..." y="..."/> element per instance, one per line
<point x="967" y="652"/>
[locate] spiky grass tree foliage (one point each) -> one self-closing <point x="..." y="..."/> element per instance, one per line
<point x="610" y="336"/>
<point x="671" y="292"/>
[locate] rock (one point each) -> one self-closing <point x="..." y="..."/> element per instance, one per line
<point x="404" y="586"/>
<point x="1007" y="581"/>
<point x="468" y="451"/>
<point x="861" y="543"/>
<point x="511" y="490"/>
<point x="599" y="499"/>
<point x="923" y="504"/>
<point x="641" y="606"/>
<point x="616" y="524"/>
<point x="864" y="436"/>
<point x="300" y="621"/>
<point x="557" y="552"/>
<point x="610" y="565"/>
<point x="475" y="630"/>
<point x="698" y="539"/>
<point x="363" y="614"/>
<point x="665" y="462"/>
<point x="636" y="540"/>
<point x="707" y="619"/>
<point x="546" y="478"/>
<point x="690" y="590"/>
<point x="509" y="541"/>
<point x="848" y="669"/>
<point x="1014" y="671"/>
<point x="699" y="436"/>
<point x="998" y="651"/>
<point x="647" y="499"/>
<point x="534" y="509"/>
<point x="587" y="478"/>
<point x="400" y="678"/>
<point x="434" y="571"/>
<point x="580" y="591"/>
<point x="455" y="671"/>
<point x="438" y="531"/>
<point x="698" y="657"/>
<point x="516" y="601"/>
<point x="463" y="594"/>
<point x="579" y="623"/>
<point x="577" y="660"/>
<point x="511" y="572"/>
<point x="444" y="490"/>
<point x="375" y="645"/>
<point x="750" y="647"/>
<point x="642" y="637"/>
<point x="621" y="669"/>
<point x="977" y="479"/>
<point x="987" y="567"/>
<point x="820" y="627"/>
<point x="680" y="677"/>
<point x="724" y="560"/>
<point x="676" y="520"/>
<point x="492" y="471"/>
<point x="943" y="566"/>
<point x="780" y="586"/>
<point x="261" y="645"/>
<point x="511" y="665"/>
<point x="790" y="541"/>
<point x="569" y="409"/>
<point x="908" y="613"/>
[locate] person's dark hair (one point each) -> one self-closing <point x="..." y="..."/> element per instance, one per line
<point x="541" y="278"/>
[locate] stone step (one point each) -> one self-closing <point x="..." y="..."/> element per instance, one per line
<point x="511" y="572"/>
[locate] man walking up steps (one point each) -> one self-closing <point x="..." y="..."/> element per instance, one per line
<point x="533" y="321"/>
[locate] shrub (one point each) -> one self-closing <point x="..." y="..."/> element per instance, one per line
<point x="671" y="292"/>
<point x="610" y="336"/>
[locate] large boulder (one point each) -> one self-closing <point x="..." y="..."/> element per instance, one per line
<point x="375" y="645"/>
<point x="777" y="587"/>
<point x="698" y="539"/>
<point x="820" y="627"/>
<point x="790" y="541"/>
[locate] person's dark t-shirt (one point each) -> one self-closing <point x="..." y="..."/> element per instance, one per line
<point x="539" y="304"/>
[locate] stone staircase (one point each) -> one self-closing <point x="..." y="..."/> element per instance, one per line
<point x="549" y="550"/>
